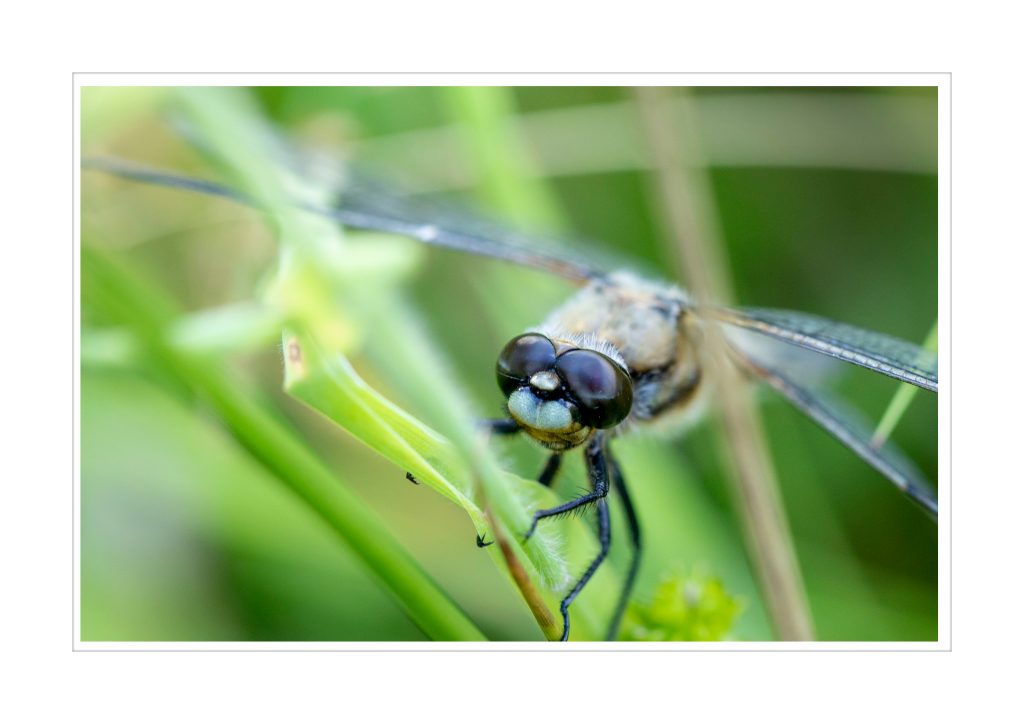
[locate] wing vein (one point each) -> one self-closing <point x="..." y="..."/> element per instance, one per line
<point x="848" y="428"/>
<point x="875" y="351"/>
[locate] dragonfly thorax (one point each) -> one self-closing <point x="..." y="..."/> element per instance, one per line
<point x="655" y="335"/>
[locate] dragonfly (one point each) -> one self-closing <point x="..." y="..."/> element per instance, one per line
<point x="622" y="355"/>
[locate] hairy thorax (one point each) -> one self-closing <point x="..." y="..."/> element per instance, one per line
<point x="651" y="326"/>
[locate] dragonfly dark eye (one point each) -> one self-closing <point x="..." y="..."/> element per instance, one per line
<point x="602" y="389"/>
<point x="521" y="358"/>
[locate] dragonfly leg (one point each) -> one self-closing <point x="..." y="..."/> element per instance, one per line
<point x="634" y="535"/>
<point x="598" y="472"/>
<point x="604" y="535"/>
<point x="499" y="426"/>
<point x="547" y="475"/>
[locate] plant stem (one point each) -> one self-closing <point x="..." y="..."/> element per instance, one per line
<point x="538" y="607"/>
<point x="499" y="156"/>
<point x="686" y="201"/>
<point x="900" y="401"/>
<point x="130" y="301"/>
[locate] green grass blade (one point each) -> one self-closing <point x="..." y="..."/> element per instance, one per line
<point x="131" y="302"/>
<point x="498" y="153"/>
<point x="900" y="401"/>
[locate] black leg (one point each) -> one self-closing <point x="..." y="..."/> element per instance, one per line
<point x="634" y="534"/>
<point x="499" y="426"/>
<point x="547" y="475"/>
<point x="598" y="472"/>
<point x="604" y="536"/>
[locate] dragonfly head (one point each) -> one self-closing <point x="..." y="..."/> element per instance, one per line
<point x="560" y="392"/>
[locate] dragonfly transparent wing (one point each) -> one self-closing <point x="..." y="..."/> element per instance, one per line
<point x="848" y="427"/>
<point x="879" y="352"/>
<point x="365" y="204"/>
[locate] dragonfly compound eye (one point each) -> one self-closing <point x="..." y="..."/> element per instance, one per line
<point x="523" y="357"/>
<point x="601" y="388"/>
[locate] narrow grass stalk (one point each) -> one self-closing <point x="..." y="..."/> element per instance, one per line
<point x="507" y="183"/>
<point x="900" y="401"/>
<point x="501" y="159"/>
<point x="685" y="199"/>
<point x="538" y="606"/>
<point x="499" y="155"/>
<point x="740" y="129"/>
<point x="130" y="301"/>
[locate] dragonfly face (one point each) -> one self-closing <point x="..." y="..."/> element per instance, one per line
<point x="559" y="390"/>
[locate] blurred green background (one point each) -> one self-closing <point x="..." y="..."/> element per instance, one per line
<point x="827" y="198"/>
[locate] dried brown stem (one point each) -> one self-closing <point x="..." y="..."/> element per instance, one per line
<point x="529" y="592"/>
<point x="686" y="202"/>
